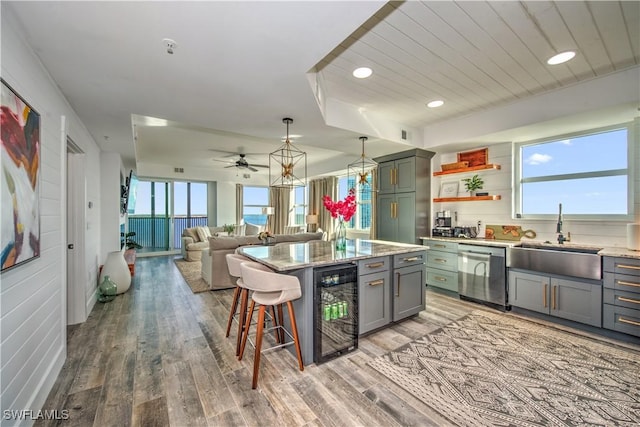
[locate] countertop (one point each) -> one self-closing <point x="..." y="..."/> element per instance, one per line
<point x="479" y="242"/>
<point x="604" y="251"/>
<point x="294" y="256"/>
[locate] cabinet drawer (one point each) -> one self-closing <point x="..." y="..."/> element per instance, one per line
<point x="443" y="260"/>
<point x="439" y="245"/>
<point x="373" y="265"/>
<point x="442" y="279"/>
<point x="621" y="319"/>
<point x="621" y="265"/>
<point x="623" y="282"/>
<point x="405" y="260"/>
<point x="621" y="298"/>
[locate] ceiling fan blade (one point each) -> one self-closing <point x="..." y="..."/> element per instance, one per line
<point x="229" y="162"/>
<point x="259" y="166"/>
<point x="251" y="168"/>
<point x="230" y="166"/>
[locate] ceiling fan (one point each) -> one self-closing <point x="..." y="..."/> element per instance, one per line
<point x="242" y="163"/>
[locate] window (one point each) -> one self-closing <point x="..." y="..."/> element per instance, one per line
<point x="362" y="219"/>
<point x="587" y="172"/>
<point x="254" y="199"/>
<point x="299" y="195"/>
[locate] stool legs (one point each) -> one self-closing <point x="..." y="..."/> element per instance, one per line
<point x="294" y="331"/>
<point x="259" y="335"/>
<point x="234" y="307"/>
<point x="244" y="297"/>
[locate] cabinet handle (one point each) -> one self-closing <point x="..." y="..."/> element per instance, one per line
<point x="633" y="267"/>
<point x="631" y="300"/>
<point x="553" y="298"/>
<point x="631" y="322"/>
<point x="544" y="296"/>
<point x="413" y="258"/>
<point x="622" y="282"/>
<point x="391" y="176"/>
<point x="376" y="282"/>
<point x="440" y="279"/>
<point x="398" y="294"/>
<point x="440" y="260"/>
<point x="375" y="265"/>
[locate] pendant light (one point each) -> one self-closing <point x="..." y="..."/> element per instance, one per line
<point x="288" y="164"/>
<point x="359" y="172"/>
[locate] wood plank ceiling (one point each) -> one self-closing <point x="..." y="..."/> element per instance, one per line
<point x="477" y="54"/>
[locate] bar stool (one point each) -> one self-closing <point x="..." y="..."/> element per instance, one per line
<point x="240" y="295"/>
<point x="270" y="289"/>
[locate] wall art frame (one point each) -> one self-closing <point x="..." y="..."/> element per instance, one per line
<point x="449" y="189"/>
<point x="20" y="183"/>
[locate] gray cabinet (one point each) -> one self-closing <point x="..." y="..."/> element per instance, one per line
<point x="621" y="295"/>
<point x="567" y="298"/>
<point x="404" y="196"/>
<point x="396" y="217"/>
<point x="408" y="284"/>
<point x="397" y="176"/>
<point x="442" y="264"/>
<point x="374" y="293"/>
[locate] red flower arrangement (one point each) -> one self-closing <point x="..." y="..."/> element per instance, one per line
<point x="343" y="208"/>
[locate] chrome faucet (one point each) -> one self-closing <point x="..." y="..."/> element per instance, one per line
<point x="561" y="238"/>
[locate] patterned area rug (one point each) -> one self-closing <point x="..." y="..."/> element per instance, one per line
<point x="494" y="369"/>
<point x="192" y="275"/>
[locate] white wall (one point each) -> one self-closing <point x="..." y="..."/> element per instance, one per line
<point x="33" y="295"/>
<point x="226" y="209"/>
<point x="110" y="170"/>
<point x="499" y="212"/>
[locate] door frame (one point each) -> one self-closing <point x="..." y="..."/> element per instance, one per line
<point x="78" y="300"/>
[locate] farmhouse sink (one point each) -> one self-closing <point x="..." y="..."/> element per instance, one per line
<point x="574" y="261"/>
<point x="562" y="248"/>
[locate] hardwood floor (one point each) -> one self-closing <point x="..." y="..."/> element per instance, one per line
<point x="157" y="356"/>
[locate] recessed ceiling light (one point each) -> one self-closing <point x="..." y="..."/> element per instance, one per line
<point x="362" y="72"/>
<point x="561" y="57"/>
<point x="435" y="104"/>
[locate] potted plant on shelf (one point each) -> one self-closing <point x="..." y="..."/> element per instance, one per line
<point x="472" y="184"/>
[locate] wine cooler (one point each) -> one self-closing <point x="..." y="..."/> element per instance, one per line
<point x="335" y="320"/>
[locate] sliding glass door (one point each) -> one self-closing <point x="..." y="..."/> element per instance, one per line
<point x="163" y="210"/>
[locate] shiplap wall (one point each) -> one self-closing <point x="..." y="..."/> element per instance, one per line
<point x="33" y="295"/>
<point x="499" y="211"/>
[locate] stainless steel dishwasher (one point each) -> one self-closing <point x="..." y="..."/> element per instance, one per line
<point x="482" y="274"/>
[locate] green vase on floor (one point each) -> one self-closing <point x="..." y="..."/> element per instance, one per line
<point x="107" y="290"/>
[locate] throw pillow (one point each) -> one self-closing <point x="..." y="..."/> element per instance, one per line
<point x="240" y="229"/>
<point x="191" y="232"/>
<point x="203" y="233"/>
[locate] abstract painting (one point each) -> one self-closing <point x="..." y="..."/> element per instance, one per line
<point x="20" y="207"/>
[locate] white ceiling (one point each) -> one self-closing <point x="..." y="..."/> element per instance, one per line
<point x="240" y="67"/>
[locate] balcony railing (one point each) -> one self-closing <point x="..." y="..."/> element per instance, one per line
<point x="153" y="232"/>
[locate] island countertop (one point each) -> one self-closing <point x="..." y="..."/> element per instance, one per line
<point x="294" y="256"/>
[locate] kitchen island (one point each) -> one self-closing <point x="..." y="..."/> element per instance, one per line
<point x="391" y="280"/>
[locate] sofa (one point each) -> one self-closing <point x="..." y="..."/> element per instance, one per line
<point x="193" y="242"/>
<point x="220" y="246"/>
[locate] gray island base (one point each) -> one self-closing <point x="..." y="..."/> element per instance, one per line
<point x="391" y="280"/>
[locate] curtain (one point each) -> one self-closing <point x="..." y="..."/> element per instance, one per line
<point x="279" y="199"/>
<point x="239" y="203"/>
<point x="373" y="234"/>
<point x="317" y="189"/>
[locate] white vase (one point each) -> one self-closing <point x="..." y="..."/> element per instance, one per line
<point x="117" y="269"/>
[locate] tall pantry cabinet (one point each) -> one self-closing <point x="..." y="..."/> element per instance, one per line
<point x="404" y="196"/>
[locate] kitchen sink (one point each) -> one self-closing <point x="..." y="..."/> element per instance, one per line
<point x="563" y="260"/>
<point x="550" y="247"/>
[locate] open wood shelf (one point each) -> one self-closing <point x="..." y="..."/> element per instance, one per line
<point x="469" y="169"/>
<point x="466" y="199"/>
